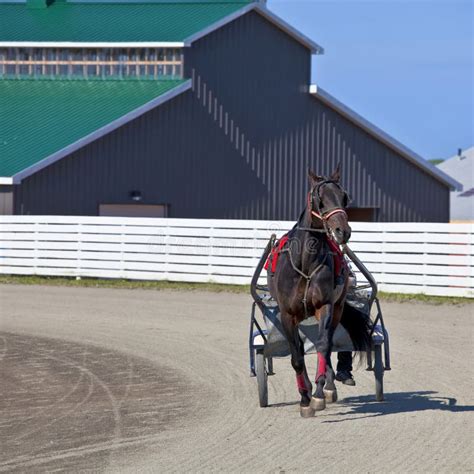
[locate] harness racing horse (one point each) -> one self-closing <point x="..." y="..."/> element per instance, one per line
<point x="305" y="284"/>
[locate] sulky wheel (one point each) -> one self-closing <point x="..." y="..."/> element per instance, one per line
<point x="378" y="372"/>
<point x="262" y="377"/>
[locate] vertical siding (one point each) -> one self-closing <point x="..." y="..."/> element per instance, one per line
<point x="174" y="155"/>
<point x="263" y="86"/>
<point x="377" y="176"/>
<point x="238" y="145"/>
<point x="6" y="200"/>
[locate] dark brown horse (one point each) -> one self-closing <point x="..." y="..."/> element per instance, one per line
<point x="305" y="284"/>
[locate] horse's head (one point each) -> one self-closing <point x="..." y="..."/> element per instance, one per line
<point x="327" y="201"/>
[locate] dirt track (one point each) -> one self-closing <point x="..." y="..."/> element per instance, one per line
<point x="145" y="381"/>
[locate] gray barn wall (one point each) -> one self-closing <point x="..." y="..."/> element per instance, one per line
<point x="237" y="146"/>
<point x="6" y="200"/>
<point x="263" y="87"/>
<point x="173" y="154"/>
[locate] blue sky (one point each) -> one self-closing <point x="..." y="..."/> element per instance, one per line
<point x="407" y="66"/>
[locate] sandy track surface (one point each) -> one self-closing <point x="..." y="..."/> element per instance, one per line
<point x="144" y="381"/>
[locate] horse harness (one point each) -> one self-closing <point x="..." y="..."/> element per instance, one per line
<point x="323" y="216"/>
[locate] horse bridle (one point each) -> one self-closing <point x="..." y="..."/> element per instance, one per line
<point x="326" y="214"/>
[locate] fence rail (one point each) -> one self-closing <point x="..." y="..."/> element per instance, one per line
<point x="434" y="259"/>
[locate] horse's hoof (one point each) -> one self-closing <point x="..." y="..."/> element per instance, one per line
<point x="318" y="404"/>
<point x="330" y="396"/>
<point x="306" y="412"/>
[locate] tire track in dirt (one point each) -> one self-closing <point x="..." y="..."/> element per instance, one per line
<point x="81" y="405"/>
<point x="215" y="423"/>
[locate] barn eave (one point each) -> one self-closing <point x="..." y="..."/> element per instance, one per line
<point x="383" y="137"/>
<point x="268" y="15"/>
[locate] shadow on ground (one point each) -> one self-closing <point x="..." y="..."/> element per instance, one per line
<point x="398" y="402"/>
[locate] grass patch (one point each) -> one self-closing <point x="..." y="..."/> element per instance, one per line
<point x="421" y="298"/>
<point x="211" y="287"/>
<point x="120" y="284"/>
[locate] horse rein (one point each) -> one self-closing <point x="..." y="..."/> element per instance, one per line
<point x="324" y="216"/>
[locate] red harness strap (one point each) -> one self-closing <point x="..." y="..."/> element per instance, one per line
<point x="339" y="261"/>
<point x="275" y="253"/>
<point x="272" y="259"/>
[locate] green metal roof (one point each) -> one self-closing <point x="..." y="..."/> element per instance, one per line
<point x="40" y="117"/>
<point x="157" y="21"/>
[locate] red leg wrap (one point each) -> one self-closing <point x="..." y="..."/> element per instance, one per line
<point x="301" y="382"/>
<point x="321" y="366"/>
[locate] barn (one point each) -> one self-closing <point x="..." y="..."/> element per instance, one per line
<point x="185" y="109"/>
<point x="461" y="168"/>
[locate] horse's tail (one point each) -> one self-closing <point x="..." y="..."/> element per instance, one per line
<point x="358" y="325"/>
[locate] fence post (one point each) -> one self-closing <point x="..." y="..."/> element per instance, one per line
<point x="210" y="268"/>
<point x="79" y="249"/>
<point x="166" y="250"/>
<point x="35" y="252"/>
<point x="425" y="258"/>
<point x="255" y="259"/>
<point x="383" y="257"/>
<point x="122" y="250"/>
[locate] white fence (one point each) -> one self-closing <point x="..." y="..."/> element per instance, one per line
<point x="435" y="259"/>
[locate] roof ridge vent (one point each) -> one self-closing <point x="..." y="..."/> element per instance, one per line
<point x="461" y="156"/>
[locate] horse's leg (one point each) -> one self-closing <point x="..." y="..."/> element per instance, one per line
<point x="323" y="348"/>
<point x="330" y="390"/>
<point x="302" y="380"/>
<point x="297" y="361"/>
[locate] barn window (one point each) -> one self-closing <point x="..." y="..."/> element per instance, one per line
<point x="101" y="62"/>
<point x="91" y="70"/>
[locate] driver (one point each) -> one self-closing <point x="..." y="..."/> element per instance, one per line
<point x="344" y="359"/>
